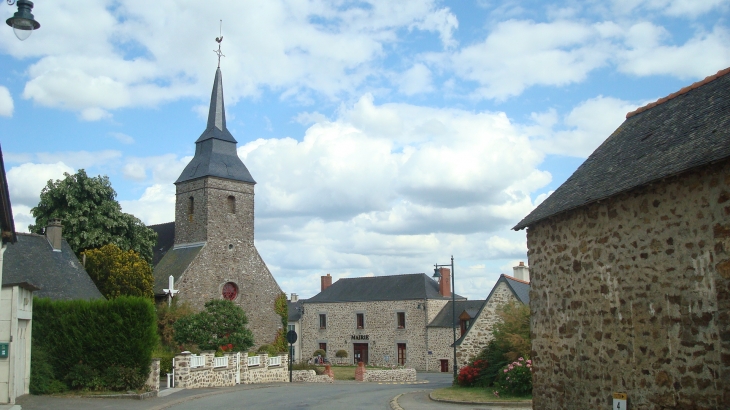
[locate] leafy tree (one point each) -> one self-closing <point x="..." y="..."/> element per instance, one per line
<point x="166" y="318"/>
<point x="220" y="324"/>
<point x="119" y="273"/>
<point x="90" y="215"/>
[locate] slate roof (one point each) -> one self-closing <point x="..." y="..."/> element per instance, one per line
<point x="444" y="317"/>
<point x="295" y="309"/>
<point x="688" y="129"/>
<point x="165" y="240"/>
<point x="380" y="288"/>
<point x="215" y="150"/>
<point x="519" y="288"/>
<point x="58" y="275"/>
<point x="7" y="224"/>
<point x="175" y="263"/>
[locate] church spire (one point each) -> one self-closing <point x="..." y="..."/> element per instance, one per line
<point x="217" y="113"/>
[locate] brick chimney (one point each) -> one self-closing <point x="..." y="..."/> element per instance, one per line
<point x="53" y="234"/>
<point x="445" y="282"/>
<point x="294" y="297"/>
<point x="521" y="272"/>
<point x="326" y="282"/>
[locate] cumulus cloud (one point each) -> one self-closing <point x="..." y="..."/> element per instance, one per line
<point x="6" y="102"/>
<point x="155" y="206"/>
<point x="25" y="183"/>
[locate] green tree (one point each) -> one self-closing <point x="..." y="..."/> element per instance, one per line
<point x="220" y="324"/>
<point x="119" y="273"/>
<point x="90" y="215"/>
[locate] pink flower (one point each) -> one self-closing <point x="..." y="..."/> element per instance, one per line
<point x="521" y="359"/>
<point x="519" y="364"/>
<point x="506" y="370"/>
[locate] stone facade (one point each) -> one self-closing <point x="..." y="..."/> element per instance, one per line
<point x="229" y="253"/>
<point x="380" y="332"/>
<point x="632" y="294"/>
<point x="479" y="333"/>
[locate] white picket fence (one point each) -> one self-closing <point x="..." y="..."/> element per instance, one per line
<point x="275" y="361"/>
<point x="197" y="361"/>
<point x="220" y="361"/>
<point x="254" y="361"/>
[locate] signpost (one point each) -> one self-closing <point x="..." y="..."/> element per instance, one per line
<point x="291" y="337"/>
<point x="619" y="401"/>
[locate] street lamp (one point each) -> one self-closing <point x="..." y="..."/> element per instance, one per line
<point x="22" y="21"/>
<point x="437" y="275"/>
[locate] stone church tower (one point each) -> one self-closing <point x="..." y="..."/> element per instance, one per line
<point x="209" y="249"/>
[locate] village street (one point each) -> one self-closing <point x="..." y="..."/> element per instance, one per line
<point x="338" y="395"/>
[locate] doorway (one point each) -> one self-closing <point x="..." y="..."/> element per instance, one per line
<point x="361" y="352"/>
<point x="444" y="365"/>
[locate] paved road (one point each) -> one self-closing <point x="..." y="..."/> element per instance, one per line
<point x="339" y="395"/>
<point x="419" y="400"/>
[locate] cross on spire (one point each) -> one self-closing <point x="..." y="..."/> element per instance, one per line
<point x="219" y="40"/>
<point x="171" y="291"/>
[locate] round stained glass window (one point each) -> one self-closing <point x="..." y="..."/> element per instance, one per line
<point x="230" y="291"/>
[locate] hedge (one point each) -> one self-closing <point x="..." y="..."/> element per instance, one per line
<point x="99" y="344"/>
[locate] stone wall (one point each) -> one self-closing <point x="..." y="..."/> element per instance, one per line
<point x="229" y="254"/>
<point x="480" y="331"/>
<point x="208" y="376"/>
<point x="632" y="294"/>
<point x="395" y="375"/>
<point x="153" y="380"/>
<point x="310" y="376"/>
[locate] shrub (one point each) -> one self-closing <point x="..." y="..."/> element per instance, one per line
<point x="166" y="318"/>
<point x="516" y="377"/>
<point x="165" y="356"/>
<point x="469" y="375"/>
<point x="42" y="379"/>
<point x="222" y="322"/>
<point x="268" y="349"/>
<point x="341" y="353"/>
<point x="307" y="366"/>
<point x="83" y="338"/>
<point x="319" y="352"/>
<point x="122" y="378"/>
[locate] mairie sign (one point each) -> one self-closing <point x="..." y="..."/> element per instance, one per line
<point x="360" y="337"/>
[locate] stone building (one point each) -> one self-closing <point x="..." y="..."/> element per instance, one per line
<point x="477" y="326"/>
<point x="294" y="322"/>
<point x="630" y="263"/>
<point x="381" y="320"/>
<point x="209" y="249"/>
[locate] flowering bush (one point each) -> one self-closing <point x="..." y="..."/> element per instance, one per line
<point x="516" y="377"/>
<point x="469" y="375"/>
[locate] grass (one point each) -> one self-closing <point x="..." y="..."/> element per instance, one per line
<point x="475" y="394"/>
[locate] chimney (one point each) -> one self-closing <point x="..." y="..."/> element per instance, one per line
<point x="326" y="282"/>
<point x="53" y="234"/>
<point x="521" y="272"/>
<point x="445" y="282"/>
<point x="294" y="298"/>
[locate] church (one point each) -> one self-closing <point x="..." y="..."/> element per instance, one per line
<point x="209" y="250"/>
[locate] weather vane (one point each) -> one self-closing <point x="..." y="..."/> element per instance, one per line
<point x="219" y="39"/>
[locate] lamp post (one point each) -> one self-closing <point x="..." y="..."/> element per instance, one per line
<point x="437" y="275"/>
<point x="23" y="22"/>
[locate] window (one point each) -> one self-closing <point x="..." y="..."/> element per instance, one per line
<point x="191" y="208"/>
<point x="402" y="354"/>
<point x="230" y="291"/>
<point x="360" y="321"/>
<point x="401" y="320"/>
<point x="290" y="327"/>
<point x="323" y="321"/>
<point x="465" y="326"/>
<point x="323" y="346"/>
<point x="231" y="204"/>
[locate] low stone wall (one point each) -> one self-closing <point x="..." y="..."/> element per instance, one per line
<point x="310" y="376"/>
<point x="208" y="376"/>
<point x="397" y="375"/>
<point x="153" y="380"/>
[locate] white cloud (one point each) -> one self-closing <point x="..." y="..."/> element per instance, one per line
<point x="676" y="8"/>
<point x="122" y="137"/>
<point x="415" y="80"/>
<point x="26" y="181"/>
<point x="157" y="204"/>
<point x="6" y="102"/>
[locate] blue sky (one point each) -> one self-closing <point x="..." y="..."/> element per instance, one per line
<point x="384" y="136"/>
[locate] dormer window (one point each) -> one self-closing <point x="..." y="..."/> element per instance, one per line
<point x="231" y="204"/>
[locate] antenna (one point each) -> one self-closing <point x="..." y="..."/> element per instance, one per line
<point x="219" y="40"/>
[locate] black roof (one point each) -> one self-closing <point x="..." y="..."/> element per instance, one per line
<point x="688" y="129"/>
<point x="378" y="288"/>
<point x="444" y="317"/>
<point x="165" y="240"/>
<point x="519" y="288"/>
<point x="295" y="309"/>
<point x="215" y="150"/>
<point x="7" y="224"/>
<point x="175" y="263"/>
<point x="58" y="275"/>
